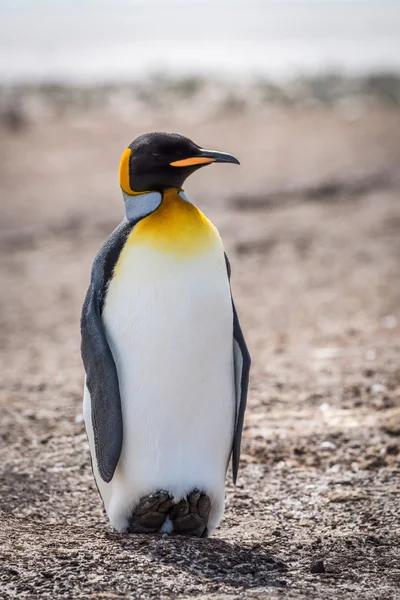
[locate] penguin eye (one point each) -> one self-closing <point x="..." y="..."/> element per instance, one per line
<point x="155" y="154"/>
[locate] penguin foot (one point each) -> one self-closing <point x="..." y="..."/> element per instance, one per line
<point x="151" y="512"/>
<point x="157" y="511"/>
<point x="190" y="516"/>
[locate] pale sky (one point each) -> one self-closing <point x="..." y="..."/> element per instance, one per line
<point x="122" y="39"/>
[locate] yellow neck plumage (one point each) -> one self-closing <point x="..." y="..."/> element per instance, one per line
<point x="176" y="227"/>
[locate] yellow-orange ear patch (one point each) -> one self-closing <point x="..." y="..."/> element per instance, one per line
<point x="195" y="160"/>
<point x="124" y="180"/>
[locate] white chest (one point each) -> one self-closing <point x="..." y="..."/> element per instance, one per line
<point x="168" y="304"/>
<point x="169" y="326"/>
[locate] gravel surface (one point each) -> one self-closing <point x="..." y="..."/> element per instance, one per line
<point x="316" y="278"/>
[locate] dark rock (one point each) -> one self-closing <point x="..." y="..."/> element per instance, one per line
<point x="318" y="567"/>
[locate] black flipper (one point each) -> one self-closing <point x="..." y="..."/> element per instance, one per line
<point x="242" y="362"/>
<point x="101" y="372"/>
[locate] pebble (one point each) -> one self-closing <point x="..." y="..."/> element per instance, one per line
<point x="392" y="449"/>
<point x="334" y="468"/>
<point x="29" y="414"/>
<point x="327" y="446"/>
<point x="378" y="388"/>
<point x="318" y="567"/>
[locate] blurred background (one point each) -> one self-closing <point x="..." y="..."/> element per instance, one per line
<point x="306" y="93"/>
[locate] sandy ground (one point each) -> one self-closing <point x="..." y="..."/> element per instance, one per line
<point x="311" y="222"/>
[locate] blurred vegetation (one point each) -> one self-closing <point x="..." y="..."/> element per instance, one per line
<point x="24" y="102"/>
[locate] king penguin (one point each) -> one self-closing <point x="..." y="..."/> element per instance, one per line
<point x="167" y="367"/>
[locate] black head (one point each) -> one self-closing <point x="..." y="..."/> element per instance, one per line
<point x="155" y="161"/>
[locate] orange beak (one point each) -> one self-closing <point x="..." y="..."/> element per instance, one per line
<point x="205" y="157"/>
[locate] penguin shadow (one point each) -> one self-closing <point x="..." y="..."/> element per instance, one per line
<point x="245" y="566"/>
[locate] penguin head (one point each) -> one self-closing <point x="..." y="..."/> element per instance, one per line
<point x="155" y="161"/>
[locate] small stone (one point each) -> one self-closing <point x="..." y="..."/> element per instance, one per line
<point x="318" y="567"/>
<point x="29" y="414"/>
<point x="378" y="388"/>
<point x="341" y="496"/>
<point x="392" y="426"/>
<point x="392" y="449"/>
<point x="334" y="468"/>
<point x="377" y="462"/>
<point x="327" y="446"/>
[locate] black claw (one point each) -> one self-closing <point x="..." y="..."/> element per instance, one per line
<point x="166" y="506"/>
<point x="193" y="499"/>
<point x="180" y="510"/>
